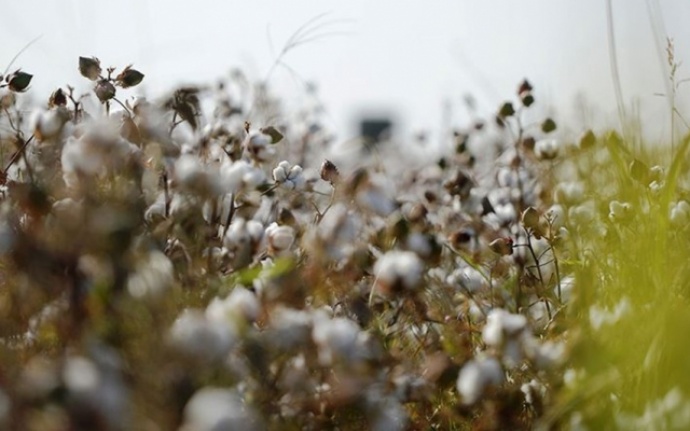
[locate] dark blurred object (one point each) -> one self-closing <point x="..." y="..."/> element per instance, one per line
<point x="375" y="129"/>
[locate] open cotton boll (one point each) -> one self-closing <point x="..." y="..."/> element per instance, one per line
<point x="679" y="215"/>
<point x="476" y="376"/>
<point x="240" y="303"/>
<point x="153" y="275"/>
<point x="258" y="146"/>
<point x="547" y="149"/>
<point x="191" y="175"/>
<point x="280" y="238"/>
<point x="216" y="409"/>
<point x="502" y="325"/>
<point x="339" y="339"/>
<point x="570" y="193"/>
<point x="398" y="270"/>
<point x="238" y="175"/>
<point x="619" y="211"/>
<point x="467" y="279"/>
<point x="291" y="176"/>
<point x="242" y="232"/>
<point x="50" y="123"/>
<point x="196" y="335"/>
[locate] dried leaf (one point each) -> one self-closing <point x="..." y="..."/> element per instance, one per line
<point x="548" y="126"/>
<point x="90" y="68"/>
<point x="275" y="135"/>
<point x="129" y="77"/>
<point x="58" y="98"/>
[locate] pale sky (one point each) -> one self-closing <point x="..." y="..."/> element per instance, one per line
<point x="407" y="56"/>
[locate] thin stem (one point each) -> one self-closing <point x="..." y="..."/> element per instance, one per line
<point x="231" y="214"/>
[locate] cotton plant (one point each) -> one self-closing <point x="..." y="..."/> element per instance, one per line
<point x="248" y="283"/>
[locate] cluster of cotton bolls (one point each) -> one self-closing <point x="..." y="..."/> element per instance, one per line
<point x="247" y="274"/>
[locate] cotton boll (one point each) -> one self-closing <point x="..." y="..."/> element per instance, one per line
<point x="570" y="193"/>
<point x="153" y="275"/>
<point x="398" y="270"/>
<point x="476" y="376"/>
<point x="619" y="211"/>
<point x="339" y="339"/>
<point x="49" y="124"/>
<point x="582" y="215"/>
<point x="533" y="391"/>
<point x="194" y="177"/>
<point x="280" y="238"/>
<point x="467" y="279"/>
<point x="288" y="175"/>
<point x="679" y="215"/>
<point x="502" y="327"/>
<point x="194" y="334"/>
<point x="258" y="146"/>
<point x="547" y="149"/>
<point x="216" y="409"/>
<point x="80" y="375"/>
<point x="239" y="304"/>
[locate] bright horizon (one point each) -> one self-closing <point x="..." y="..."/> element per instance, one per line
<point x="410" y="57"/>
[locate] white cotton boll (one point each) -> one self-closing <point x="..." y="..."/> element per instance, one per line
<point x="237" y="235"/>
<point x="255" y="230"/>
<point x="290" y="176"/>
<point x="218" y="409"/>
<point x="599" y="317"/>
<point x="397" y="270"/>
<point x="679" y="214"/>
<point x="232" y="174"/>
<point x="533" y="390"/>
<point x="80" y="375"/>
<point x="619" y="211"/>
<point x="258" y="146"/>
<point x="549" y="354"/>
<point x="240" y="303"/>
<point x="280" y="238"/>
<point x="582" y="215"/>
<point x="291" y="328"/>
<point x="97" y="384"/>
<point x="476" y="376"/>
<point x="547" y="149"/>
<point x="505" y="213"/>
<point x="192" y="176"/>
<point x="194" y="334"/>
<point x="467" y="279"/>
<point x="280" y="173"/>
<point x="153" y="275"/>
<point x="419" y="243"/>
<point x="75" y="158"/>
<point x="570" y="193"/>
<point x="501" y="325"/>
<point x="49" y="124"/>
<point x="375" y="199"/>
<point x="389" y="415"/>
<point x="336" y="338"/>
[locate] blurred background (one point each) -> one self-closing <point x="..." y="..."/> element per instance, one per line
<point x="411" y="62"/>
